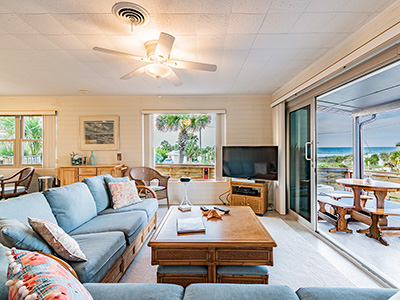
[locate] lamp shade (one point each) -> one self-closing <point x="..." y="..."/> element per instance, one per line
<point x="158" y="70"/>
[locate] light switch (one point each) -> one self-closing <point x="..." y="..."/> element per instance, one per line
<point x="119" y="156"/>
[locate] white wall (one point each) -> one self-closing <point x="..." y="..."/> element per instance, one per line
<point x="248" y="122"/>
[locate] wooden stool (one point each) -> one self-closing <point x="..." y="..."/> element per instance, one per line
<point x="242" y="274"/>
<point x="182" y="274"/>
<point x="338" y="218"/>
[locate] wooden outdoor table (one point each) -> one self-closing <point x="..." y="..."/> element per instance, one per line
<point x="238" y="239"/>
<point x="380" y="189"/>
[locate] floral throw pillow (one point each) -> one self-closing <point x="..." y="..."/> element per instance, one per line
<point x="123" y="193"/>
<point x="32" y="275"/>
<point x="62" y="244"/>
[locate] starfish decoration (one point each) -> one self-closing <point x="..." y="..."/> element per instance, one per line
<point x="212" y="213"/>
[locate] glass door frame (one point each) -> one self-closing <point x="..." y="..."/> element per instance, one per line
<point x="291" y="107"/>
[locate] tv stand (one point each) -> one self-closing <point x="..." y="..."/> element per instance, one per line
<point x="250" y="194"/>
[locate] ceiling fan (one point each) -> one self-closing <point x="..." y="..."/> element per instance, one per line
<point x="159" y="63"/>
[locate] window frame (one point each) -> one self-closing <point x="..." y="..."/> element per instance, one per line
<point x="148" y="136"/>
<point x="19" y="138"/>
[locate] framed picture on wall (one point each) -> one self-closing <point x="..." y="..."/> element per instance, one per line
<point x="99" y="132"/>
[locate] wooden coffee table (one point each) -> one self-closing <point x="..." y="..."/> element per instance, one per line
<point x="238" y="239"/>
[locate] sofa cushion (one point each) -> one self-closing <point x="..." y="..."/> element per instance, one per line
<point x="182" y="269"/>
<point x="13" y="233"/>
<point x="34" y="205"/>
<point x="220" y="291"/>
<point x="148" y="205"/>
<point x="135" y="291"/>
<point x="97" y="187"/>
<point x="123" y="194"/>
<point x="64" y="245"/>
<point x="130" y="223"/>
<point x="3" y="272"/>
<point x="42" y="277"/>
<point x="72" y="205"/>
<point x="242" y="270"/>
<point x="112" y="179"/>
<point x="326" y="293"/>
<point x="102" y="251"/>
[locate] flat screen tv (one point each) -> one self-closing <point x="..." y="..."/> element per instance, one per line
<point x="258" y="162"/>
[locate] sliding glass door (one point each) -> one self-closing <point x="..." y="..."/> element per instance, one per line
<point x="300" y="164"/>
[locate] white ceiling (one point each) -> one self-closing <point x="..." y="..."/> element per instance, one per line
<point x="258" y="45"/>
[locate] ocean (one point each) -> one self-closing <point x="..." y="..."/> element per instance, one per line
<point x="336" y="151"/>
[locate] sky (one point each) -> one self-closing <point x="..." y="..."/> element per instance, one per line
<point x="337" y="130"/>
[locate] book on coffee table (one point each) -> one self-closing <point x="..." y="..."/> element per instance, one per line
<point x="190" y="225"/>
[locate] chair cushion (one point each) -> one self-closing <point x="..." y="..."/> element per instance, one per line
<point x="135" y="291"/>
<point x="11" y="189"/>
<point x="72" y="205"/>
<point x="242" y="270"/>
<point x="223" y="291"/>
<point x="3" y="272"/>
<point x="149" y="205"/>
<point x="123" y="193"/>
<point x="61" y="242"/>
<point x="112" y="179"/>
<point x="13" y="233"/>
<point x="325" y="293"/>
<point x="98" y="188"/>
<point x="130" y="223"/>
<point x="34" y="205"/>
<point x="102" y="251"/>
<point x="157" y="188"/>
<point x="182" y="269"/>
<point x="43" y="276"/>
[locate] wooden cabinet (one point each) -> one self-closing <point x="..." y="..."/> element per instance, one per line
<point x="250" y="194"/>
<point x="72" y="174"/>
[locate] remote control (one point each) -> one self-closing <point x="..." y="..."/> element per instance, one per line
<point x="222" y="209"/>
<point x="203" y="208"/>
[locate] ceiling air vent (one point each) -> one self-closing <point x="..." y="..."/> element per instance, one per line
<point x="131" y="13"/>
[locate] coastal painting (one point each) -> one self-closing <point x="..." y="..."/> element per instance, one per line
<point x="99" y="133"/>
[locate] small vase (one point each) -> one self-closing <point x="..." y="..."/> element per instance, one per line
<point x="91" y="159"/>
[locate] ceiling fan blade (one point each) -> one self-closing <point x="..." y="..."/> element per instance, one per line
<point x="134" y="73"/>
<point x="191" y="65"/>
<point x="164" y="44"/>
<point x="109" y="51"/>
<point x="173" y="77"/>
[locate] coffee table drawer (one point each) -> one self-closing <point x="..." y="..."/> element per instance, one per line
<point x="179" y="256"/>
<point x="244" y="256"/>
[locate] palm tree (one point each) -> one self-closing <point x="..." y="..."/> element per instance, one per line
<point x="184" y="124"/>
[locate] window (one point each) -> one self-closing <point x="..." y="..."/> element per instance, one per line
<point x="21" y="140"/>
<point x="184" y="145"/>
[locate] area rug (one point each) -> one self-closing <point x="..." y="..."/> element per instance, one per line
<point x="296" y="262"/>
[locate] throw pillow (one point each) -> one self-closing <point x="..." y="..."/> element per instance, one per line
<point x="13" y="233"/>
<point x="123" y="193"/>
<point x="35" y="276"/>
<point x="112" y="179"/>
<point x="64" y="245"/>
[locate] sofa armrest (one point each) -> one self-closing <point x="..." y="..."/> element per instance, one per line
<point x="134" y="291"/>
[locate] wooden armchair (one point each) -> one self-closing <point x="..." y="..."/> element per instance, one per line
<point x="144" y="175"/>
<point x="17" y="184"/>
<point x="119" y="171"/>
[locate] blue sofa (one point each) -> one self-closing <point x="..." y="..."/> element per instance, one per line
<point x="110" y="238"/>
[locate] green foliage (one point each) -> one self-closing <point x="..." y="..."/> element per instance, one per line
<point x="159" y="158"/>
<point x="192" y="149"/>
<point x="336" y="162"/>
<point x="208" y="155"/>
<point x="185" y="125"/>
<point x="384" y="156"/>
<point x="162" y="153"/>
<point x="372" y="161"/>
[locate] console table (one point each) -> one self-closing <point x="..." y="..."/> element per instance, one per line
<point x="250" y="194"/>
<point x="71" y="174"/>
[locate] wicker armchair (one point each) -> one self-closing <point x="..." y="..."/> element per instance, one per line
<point x="143" y="176"/>
<point x="17" y="184"/>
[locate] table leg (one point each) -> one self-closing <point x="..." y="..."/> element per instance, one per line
<point x="357" y="199"/>
<point x="374" y="231"/>
<point x="380" y="203"/>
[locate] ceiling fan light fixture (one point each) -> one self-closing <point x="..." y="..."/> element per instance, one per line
<point x="158" y="70"/>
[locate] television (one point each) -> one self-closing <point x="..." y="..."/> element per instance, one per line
<point x="258" y="162"/>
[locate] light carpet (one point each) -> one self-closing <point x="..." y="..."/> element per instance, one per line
<point x="296" y="262"/>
